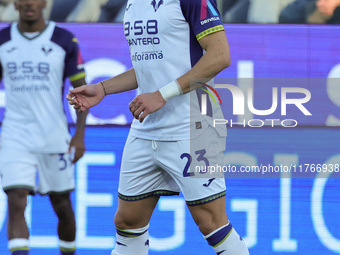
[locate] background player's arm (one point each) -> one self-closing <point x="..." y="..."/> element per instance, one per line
<point x="77" y="140"/>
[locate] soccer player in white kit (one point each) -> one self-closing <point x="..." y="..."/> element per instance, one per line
<point x="172" y="43"/>
<point x="35" y="58"/>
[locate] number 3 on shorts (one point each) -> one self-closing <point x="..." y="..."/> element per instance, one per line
<point x="63" y="163"/>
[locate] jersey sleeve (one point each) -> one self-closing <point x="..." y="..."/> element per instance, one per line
<point x="202" y="16"/>
<point x="0" y="71"/>
<point x="74" y="64"/>
<point x="5" y="36"/>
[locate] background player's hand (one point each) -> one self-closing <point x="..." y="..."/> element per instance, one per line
<point x="144" y="104"/>
<point x="77" y="144"/>
<point x="86" y="96"/>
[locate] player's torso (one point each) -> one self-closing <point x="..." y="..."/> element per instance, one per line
<point x="33" y="71"/>
<point x="162" y="36"/>
<point x="154" y="29"/>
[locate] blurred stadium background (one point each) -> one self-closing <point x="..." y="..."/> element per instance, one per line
<point x="232" y="11"/>
<point x="295" y="214"/>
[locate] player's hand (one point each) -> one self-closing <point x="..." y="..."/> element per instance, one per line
<point x="77" y="147"/>
<point x="86" y="96"/>
<point x="144" y="104"/>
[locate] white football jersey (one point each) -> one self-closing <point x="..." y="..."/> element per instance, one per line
<point x="163" y="38"/>
<point x="33" y="71"/>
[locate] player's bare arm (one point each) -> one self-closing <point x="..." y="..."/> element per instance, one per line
<point x="77" y="141"/>
<point x="216" y="59"/>
<point x="85" y="97"/>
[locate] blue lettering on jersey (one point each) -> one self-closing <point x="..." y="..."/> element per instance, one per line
<point x="139" y="27"/>
<point x="146" y="56"/>
<point x="144" y="41"/>
<point x="28" y="71"/>
<point x="146" y="30"/>
<point x="30" y="88"/>
<point x="127" y="8"/>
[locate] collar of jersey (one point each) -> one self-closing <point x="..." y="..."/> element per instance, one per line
<point x="41" y="32"/>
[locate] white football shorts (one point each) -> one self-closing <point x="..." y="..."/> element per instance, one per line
<point x="38" y="172"/>
<point x="168" y="167"/>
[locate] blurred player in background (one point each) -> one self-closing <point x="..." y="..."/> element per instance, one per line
<point x="167" y="42"/>
<point x="35" y="58"/>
